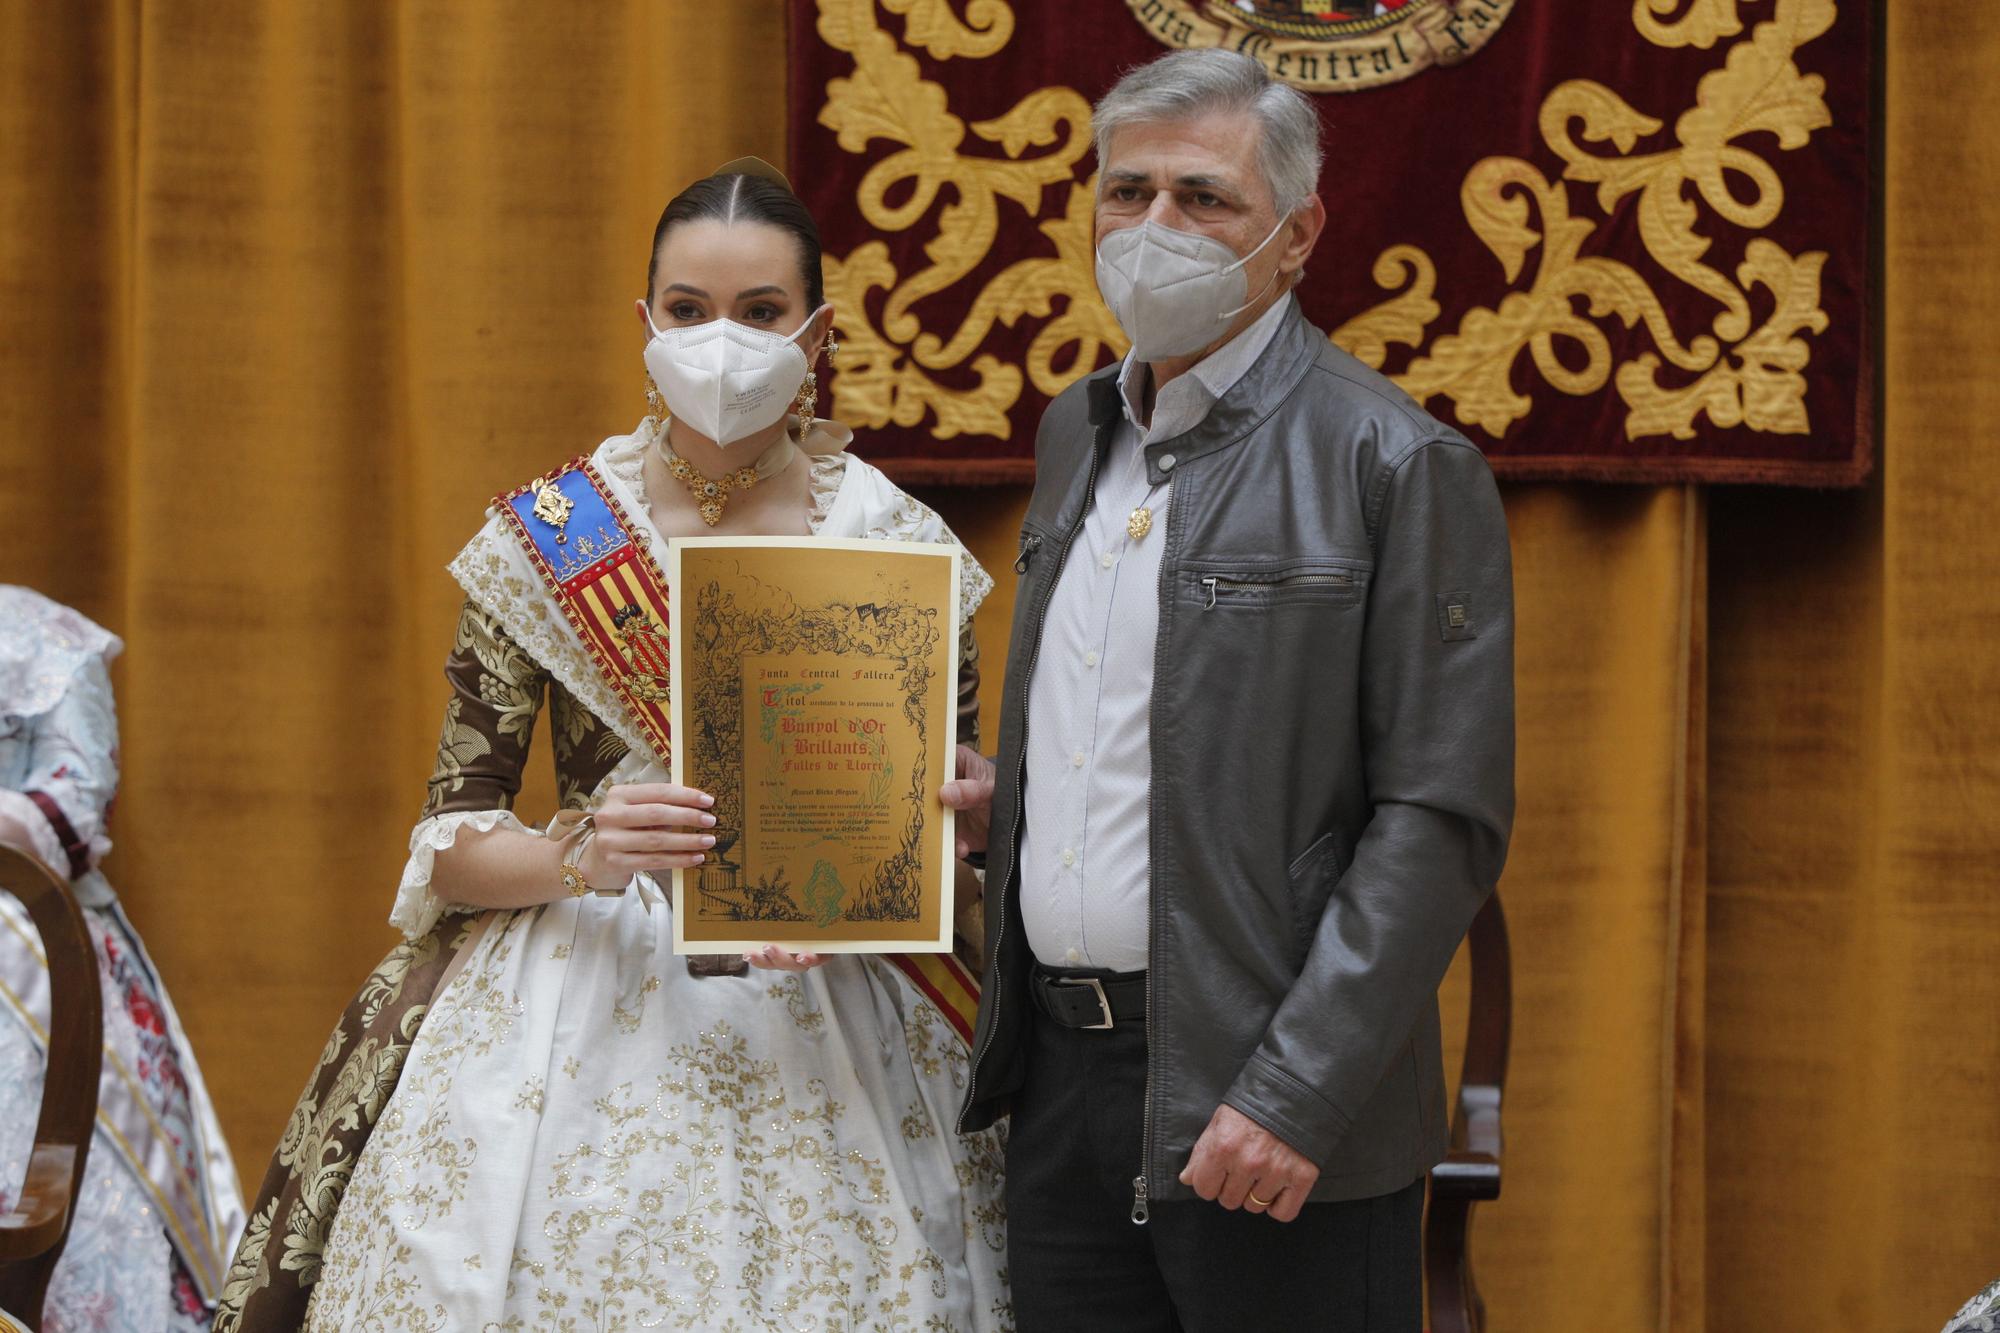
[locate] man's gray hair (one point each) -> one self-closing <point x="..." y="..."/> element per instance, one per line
<point x="1184" y="84"/>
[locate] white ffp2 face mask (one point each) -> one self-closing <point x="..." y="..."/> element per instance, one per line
<point x="726" y="380"/>
<point x="1173" y="292"/>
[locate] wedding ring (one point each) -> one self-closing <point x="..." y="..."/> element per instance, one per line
<point x="1263" y="1203"/>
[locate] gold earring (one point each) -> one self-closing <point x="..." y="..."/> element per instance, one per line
<point x="832" y="348"/>
<point x="656" y="406"/>
<point x="808" y="399"/>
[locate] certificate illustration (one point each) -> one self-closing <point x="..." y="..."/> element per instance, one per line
<point x="814" y="697"/>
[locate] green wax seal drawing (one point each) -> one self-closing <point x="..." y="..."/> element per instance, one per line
<point x="824" y="893"/>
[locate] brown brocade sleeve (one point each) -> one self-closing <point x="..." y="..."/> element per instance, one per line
<point x="496" y="691"/>
<point x="586" y="749"/>
<point x="968" y="687"/>
<point x="969" y="924"/>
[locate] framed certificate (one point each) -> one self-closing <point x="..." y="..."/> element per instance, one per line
<point x="814" y="695"/>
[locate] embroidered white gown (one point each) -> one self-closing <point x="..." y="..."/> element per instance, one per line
<point x="160" y="1209"/>
<point x="585" y="1136"/>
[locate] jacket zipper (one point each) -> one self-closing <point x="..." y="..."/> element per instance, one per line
<point x="1029" y="546"/>
<point x="1030" y="543"/>
<point x="1142" y="1193"/>
<point x="1217" y="583"/>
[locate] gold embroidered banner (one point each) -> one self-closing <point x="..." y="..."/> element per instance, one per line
<point x="1624" y="240"/>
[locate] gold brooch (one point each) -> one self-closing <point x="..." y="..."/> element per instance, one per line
<point x="552" y="507"/>
<point x="1140" y="523"/>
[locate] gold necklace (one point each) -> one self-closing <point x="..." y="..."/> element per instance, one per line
<point x="711" y="494"/>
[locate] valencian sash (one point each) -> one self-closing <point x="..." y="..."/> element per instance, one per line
<point x="610" y="589"/>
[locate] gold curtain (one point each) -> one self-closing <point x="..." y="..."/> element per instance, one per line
<point x="287" y="290"/>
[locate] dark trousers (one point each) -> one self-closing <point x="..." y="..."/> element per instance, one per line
<point x="1078" y="1264"/>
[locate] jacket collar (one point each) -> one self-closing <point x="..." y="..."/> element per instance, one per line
<point x="1253" y="397"/>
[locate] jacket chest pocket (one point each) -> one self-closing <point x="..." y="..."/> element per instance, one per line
<point x="1220" y="586"/>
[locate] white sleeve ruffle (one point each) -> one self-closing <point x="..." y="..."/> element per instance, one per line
<point x="418" y="909"/>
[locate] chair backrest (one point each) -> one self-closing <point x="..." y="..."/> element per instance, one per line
<point x="32" y="1236"/>
<point x="1470" y="1173"/>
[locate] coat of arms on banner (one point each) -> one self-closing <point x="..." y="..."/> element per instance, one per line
<point x="1616" y="240"/>
<point x="1331" y="46"/>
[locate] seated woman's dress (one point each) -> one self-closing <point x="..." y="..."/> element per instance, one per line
<point x="585" y="1134"/>
<point x="160" y="1210"/>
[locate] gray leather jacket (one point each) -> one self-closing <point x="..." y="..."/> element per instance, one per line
<point x="1332" y="737"/>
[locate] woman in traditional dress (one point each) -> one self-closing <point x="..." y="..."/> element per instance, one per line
<point x="160" y="1210"/>
<point x="571" y="1126"/>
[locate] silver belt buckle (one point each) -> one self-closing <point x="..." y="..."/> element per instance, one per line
<point x="1103" y="1001"/>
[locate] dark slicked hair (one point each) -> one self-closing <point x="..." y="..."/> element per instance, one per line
<point x="740" y="198"/>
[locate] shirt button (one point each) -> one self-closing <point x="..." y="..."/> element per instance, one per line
<point x="1107" y="560"/>
<point x="1167" y="462"/>
<point x="1072" y="957"/>
<point x="1069" y="857"/>
<point x="1090" y="659"/>
<point x="1076" y="760"/>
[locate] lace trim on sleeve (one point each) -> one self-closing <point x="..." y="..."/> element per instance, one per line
<point x="974" y="583"/>
<point x="914" y="521"/>
<point x="417" y="908"/>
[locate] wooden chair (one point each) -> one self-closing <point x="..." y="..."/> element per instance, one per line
<point x="32" y="1236"/>
<point x="1470" y="1173"/>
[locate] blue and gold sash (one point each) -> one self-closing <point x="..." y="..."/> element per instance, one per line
<point x="610" y="589"/>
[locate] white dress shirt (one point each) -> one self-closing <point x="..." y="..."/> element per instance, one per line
<point x="1084" y="870"/>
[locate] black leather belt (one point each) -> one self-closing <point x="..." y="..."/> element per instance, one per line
<point x="1079" y="1000"/>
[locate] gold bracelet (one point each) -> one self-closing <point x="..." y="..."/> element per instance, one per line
<point x="573" y="882"/>
<point x="578" y="827"/>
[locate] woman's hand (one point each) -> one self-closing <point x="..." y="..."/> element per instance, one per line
<point x="648" y="826"/>
<point x="777" y="958"/>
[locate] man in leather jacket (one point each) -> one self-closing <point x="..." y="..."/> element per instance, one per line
<point x="1256" y="766"/>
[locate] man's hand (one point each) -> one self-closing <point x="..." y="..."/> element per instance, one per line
<point x="971" y="795"/>
<point x="1240" y="1164"/>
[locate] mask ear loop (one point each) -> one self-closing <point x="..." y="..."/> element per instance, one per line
<point x="1231" y="314"/>
<point x="794" y="337"/>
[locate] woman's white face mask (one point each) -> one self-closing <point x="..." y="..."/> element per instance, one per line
<point x="1174" y="292"/>
<point x="727" y="380"/>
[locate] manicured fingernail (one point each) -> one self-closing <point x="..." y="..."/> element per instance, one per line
<point x="708" y="842"/>
<point x="699" y="858"/>
<point x="801" y="959"/>
<point x="707" y="800"/>
<point x="708" y="821"/>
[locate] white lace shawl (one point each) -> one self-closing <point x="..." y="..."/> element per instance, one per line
<point x="850" y="498"/>
<point x="43" y="644"/>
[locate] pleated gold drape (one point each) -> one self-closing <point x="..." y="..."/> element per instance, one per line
<point x="287" y="290"/>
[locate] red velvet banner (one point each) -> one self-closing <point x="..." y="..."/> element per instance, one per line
<point x="1621" y="240"/>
